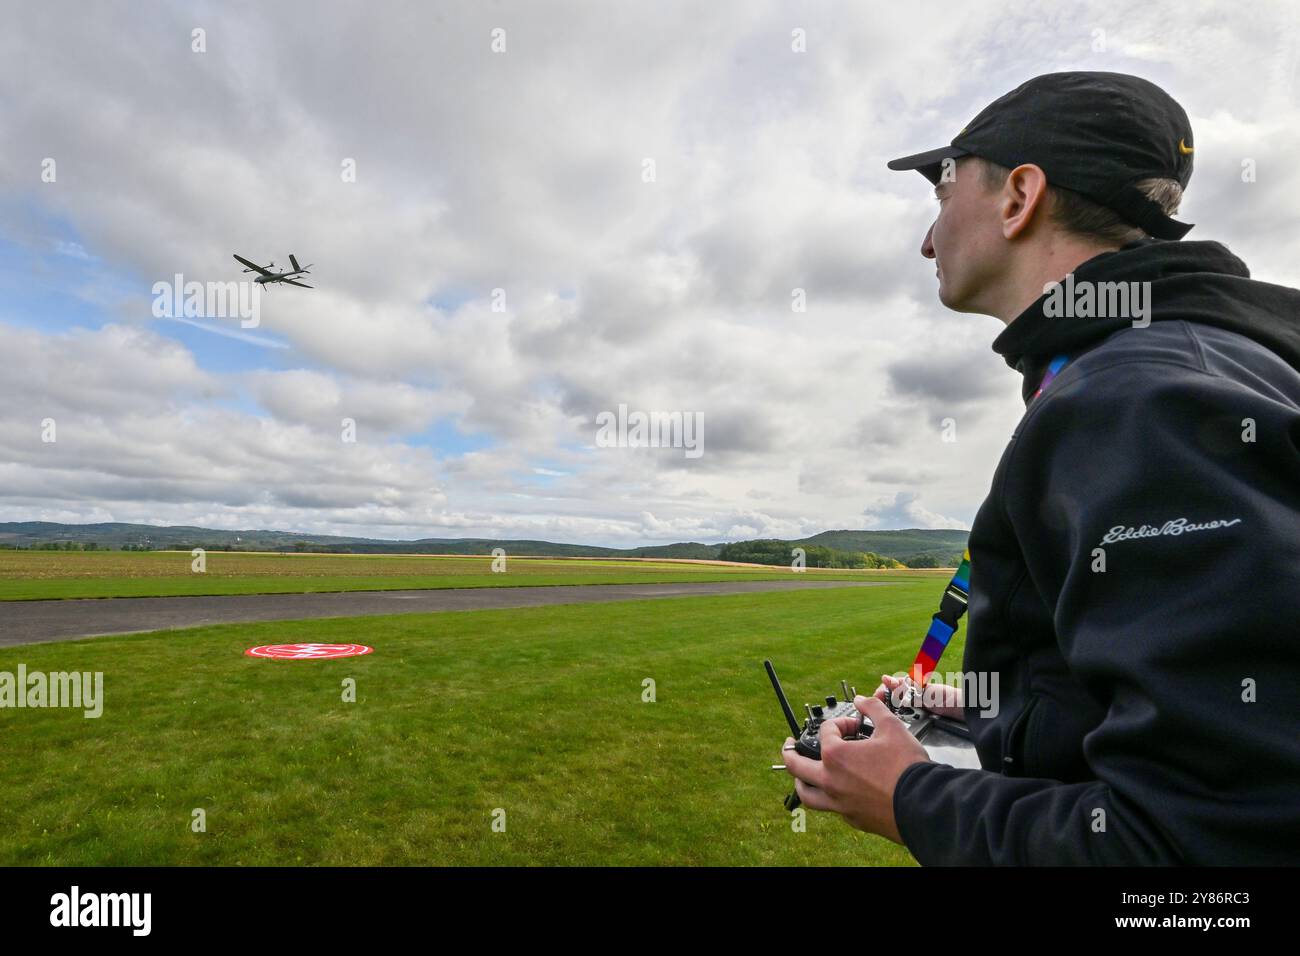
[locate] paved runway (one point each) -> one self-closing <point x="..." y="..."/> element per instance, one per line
<point x="39" y="622"/>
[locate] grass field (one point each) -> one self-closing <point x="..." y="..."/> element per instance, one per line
<point x="43" y="575"/>
<point x="537" y="712"/>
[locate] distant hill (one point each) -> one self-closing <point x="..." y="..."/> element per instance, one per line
<point x="779" y="553"/>
<point x="943" y="546"/>
<point x="915" y="547"/>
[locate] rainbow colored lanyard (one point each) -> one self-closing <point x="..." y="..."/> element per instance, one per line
<point x="956" y="596"/>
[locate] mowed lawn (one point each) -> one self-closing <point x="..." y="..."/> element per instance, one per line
<point x="35" y="575"/>
<point x="537" y="712"/>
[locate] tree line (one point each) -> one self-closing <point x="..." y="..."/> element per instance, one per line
<point x="776" y="552"/>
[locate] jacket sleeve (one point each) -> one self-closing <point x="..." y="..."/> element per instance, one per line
<point x="1189" y="637"/>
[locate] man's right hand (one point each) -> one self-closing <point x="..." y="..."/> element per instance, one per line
<point x="938" y="698"/>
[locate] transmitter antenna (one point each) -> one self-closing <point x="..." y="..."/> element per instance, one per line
<point x="795" y="728"/>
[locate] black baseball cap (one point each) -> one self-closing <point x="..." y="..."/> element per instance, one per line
<point x="1095" y="133"/>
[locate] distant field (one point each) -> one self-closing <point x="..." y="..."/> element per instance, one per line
<point x="33" y="575"/>
<point x="537" y="712"/>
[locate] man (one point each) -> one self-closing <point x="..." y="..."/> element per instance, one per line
<point x="1135" y="569"/>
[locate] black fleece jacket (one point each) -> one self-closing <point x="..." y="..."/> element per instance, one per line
<point x="1135" y="584"/>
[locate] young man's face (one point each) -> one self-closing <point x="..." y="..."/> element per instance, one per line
<point x="966" y="240"/>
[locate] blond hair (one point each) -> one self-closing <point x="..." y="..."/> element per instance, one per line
<point x="1082" y="217"/>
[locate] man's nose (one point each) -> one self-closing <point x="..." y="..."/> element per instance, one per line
<point x="927" y="245"/>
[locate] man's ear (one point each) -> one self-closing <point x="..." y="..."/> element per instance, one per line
<point x="1023" y="193"/>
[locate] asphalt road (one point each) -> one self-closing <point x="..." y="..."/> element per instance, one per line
<point x="39" y="622"/>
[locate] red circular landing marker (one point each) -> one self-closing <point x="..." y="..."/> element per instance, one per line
<point x="307" y="652"/>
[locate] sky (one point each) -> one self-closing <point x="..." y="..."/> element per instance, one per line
<point x="522" y="215"/>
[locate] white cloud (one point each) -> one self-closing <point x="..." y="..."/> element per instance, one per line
<point x="523" y="172"/>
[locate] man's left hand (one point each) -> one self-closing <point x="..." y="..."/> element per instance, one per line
<point x="856" y="778"/>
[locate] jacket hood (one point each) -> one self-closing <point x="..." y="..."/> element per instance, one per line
<point x="1195" y="281"/>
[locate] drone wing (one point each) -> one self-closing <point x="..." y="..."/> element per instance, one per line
<point x="252" y="265"/>
<point x="301" y="285"/>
